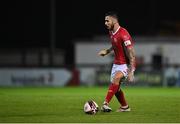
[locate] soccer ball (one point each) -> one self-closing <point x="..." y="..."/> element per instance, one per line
<point x="91" y="107"/>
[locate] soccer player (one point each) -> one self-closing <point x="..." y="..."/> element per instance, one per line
<point x="124" y="61"/>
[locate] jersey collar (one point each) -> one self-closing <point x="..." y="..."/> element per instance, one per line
<point x="116" y="31"/>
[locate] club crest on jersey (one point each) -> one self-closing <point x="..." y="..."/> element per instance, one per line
<point x="128" y="42"/>
<point x="115" y="40"/>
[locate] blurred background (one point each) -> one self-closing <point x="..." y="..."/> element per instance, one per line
<point x="55" y="42"/>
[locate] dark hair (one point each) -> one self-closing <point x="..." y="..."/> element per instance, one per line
<point x="113" y="14"/>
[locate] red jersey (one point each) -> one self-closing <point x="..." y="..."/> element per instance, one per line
<point x="120" y="41"/>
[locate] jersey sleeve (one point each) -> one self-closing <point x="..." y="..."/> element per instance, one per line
<point x="127" y="40"/>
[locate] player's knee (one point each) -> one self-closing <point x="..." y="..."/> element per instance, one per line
<point x="116" y="80"/>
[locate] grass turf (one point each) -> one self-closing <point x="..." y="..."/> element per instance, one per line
<point x="65" y="105"/>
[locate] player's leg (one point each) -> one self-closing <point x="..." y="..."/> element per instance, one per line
<point x="121" y="98"/>
<point x="113" y="88"/>
<point x="120" y="94"/>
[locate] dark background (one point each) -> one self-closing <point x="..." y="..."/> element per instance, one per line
<point x="28" y="23"/>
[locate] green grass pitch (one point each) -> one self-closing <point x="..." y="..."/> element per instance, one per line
<point x="65" y="105"/>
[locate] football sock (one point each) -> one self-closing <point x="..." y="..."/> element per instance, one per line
<point x="120" y="96"/>
<point x="113" y="88"/>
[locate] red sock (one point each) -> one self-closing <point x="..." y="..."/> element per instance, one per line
<point x="121" y="98"/>
<point x="113" y="88"/>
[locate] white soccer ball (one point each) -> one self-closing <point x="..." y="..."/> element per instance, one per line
<point x="91" y="107"/>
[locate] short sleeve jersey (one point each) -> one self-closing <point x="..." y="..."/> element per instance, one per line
<point x="121" y="40"/>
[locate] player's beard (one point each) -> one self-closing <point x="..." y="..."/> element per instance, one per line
<point x="111" y="27"/>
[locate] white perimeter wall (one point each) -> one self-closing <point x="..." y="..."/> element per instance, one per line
<point x="86" y="52"/>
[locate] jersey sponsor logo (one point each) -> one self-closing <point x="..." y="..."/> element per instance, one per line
<point x="128" y="42"/>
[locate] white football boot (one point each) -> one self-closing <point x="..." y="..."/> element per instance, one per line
<point x="106" y="108"/>
<point x="124" y="109"/>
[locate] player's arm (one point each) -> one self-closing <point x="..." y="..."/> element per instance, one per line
<point x="131" y="55"/>
<point x="105" y="51"/>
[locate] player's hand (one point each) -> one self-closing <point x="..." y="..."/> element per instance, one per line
<point x="103" y="52"/>
<point x="130" y="77"/>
